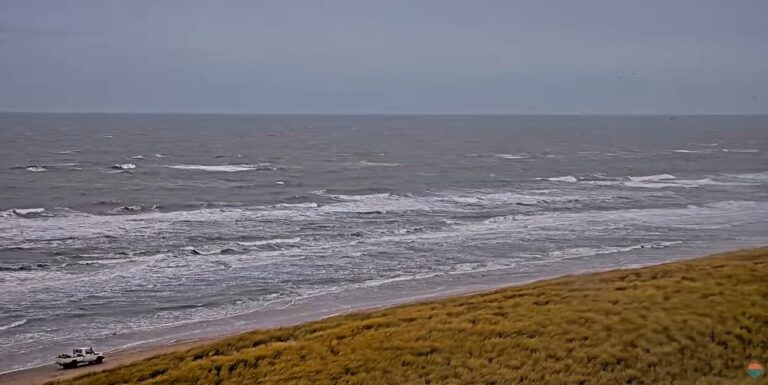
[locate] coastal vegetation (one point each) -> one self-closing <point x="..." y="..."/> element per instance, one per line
<point x="692" y="322"/>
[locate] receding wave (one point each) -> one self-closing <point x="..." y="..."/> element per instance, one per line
<point x="579" y="252"/>
<point x="223" y="167"/>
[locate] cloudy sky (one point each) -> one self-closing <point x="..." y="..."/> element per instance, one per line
<point x="358" y="56"/>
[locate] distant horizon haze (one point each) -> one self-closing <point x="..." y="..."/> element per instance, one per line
<point x="592" y="57"/>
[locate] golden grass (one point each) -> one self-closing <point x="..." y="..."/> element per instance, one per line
<point x="694" y="322"/>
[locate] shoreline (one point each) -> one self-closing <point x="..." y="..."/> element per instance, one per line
<point x="122" y="356"/>
<point x="42" y="374"/>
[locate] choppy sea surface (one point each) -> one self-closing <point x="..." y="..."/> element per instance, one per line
<point x="122" y="230"/>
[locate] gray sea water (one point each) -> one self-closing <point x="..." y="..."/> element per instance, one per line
<point x="122" y="230"/>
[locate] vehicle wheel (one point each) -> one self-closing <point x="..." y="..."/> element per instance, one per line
<point x="99" y="360"/>
<point x="71" y="365"/>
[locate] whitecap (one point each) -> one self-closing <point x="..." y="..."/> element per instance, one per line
<point x="159" y="156"/>
<point x="746" y="150"/>
<point x="138" y="157"/>
<point x="36" y="168"/>
<point x="691" y="151"/>
<point x="124" y="166"/>
<point x="379" y="164"/>
<point x="67" y="152"/>
<point x="512" y="156"/>
<point x="567" y="178"/>
<point x="223" y="168"/>
<point x="14" y="324"/>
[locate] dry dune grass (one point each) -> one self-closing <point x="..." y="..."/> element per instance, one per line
<point x="694" y="322"/>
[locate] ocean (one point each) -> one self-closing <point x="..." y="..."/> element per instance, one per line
<point x="125" y="230"/>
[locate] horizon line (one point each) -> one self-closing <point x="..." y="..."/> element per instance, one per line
<point x="389" y="113"/>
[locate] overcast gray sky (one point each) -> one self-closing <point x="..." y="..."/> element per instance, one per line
<point x="439" y="56"/>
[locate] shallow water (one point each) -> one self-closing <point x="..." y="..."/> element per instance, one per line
<point x="117" y="230"/>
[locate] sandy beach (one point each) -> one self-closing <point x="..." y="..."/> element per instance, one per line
<point x="42" y="374"/>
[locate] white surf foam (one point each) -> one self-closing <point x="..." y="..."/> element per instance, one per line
<point x="745" y="150"/>
<point x="36" y="168"/>
<point x="647" y="178"/>
<point x="124" y="166"/>
<point x="305" y="205"/>
<point x="270" y="241"/>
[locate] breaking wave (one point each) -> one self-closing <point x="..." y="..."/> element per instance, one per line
<point x="14" y="324"/>
<point x="22" y="212"/>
